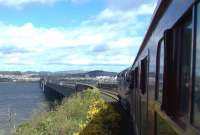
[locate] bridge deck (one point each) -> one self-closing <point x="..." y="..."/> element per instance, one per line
<point x="62" y="89"/>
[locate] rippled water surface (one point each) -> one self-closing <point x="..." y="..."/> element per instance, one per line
<point x="17" y="103"/>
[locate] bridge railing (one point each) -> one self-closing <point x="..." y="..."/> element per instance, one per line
<point x="83" y="86"/>
<point x="108" y="86"/>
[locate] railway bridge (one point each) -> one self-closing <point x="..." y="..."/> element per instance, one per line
<point x="56" y="91"/>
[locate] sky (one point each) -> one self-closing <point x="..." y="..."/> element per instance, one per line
<point x="60" y="35"/>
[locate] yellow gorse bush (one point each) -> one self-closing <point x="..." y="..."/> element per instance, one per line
<point x="95" y="108"/>
<point x="102" y="119"/>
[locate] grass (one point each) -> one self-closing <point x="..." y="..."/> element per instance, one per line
<point x="2" y="132"/>
<point x="82" y="114"/>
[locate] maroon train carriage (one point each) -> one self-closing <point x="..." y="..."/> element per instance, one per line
<point x="162" y="86"/>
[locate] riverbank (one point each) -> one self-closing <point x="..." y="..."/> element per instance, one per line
<point x="85" y="113"/>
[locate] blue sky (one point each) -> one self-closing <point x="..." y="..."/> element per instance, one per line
<point x="58" y="35"/>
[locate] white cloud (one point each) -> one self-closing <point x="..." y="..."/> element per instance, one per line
<point x="31" y="38"/>
<point x="39" y="42"/>
<point x="127" y="4"/>
<point x="75" y="59"/>
<point x="107" y="38"/>
<point x="125" y="42"/>
<point x="119" y="15"/>
<point x="147" y="9"/>
<point x="17" y="59"/>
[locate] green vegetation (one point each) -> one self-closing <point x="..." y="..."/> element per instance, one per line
<point x="82" y="114"/>
<point x="2" y="132"/>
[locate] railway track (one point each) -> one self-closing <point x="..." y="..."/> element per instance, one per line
<point x="109" y="96"/>
<point x="126" y="124"/>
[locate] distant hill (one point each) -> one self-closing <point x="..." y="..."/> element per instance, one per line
<point x="70" y="73"/>
<point x="10" y="73"/>
<point x="96" y="73"/>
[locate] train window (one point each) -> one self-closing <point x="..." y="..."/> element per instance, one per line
<point x="159" y="71"/>
<point x="143" y="80"/>
<point x="136" y="77"/>
<point x="196" y="118"/>
<point x="177" y="69"/>
<point x="185" y="68"/>
<point x="131" y="85"/>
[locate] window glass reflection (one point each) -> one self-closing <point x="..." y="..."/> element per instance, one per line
<point x="197" y="75"/>
<point x="185" y="70"/>
<point x="161" y="71"/>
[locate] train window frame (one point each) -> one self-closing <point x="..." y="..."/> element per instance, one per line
<point x="185" y="69"/>
<point x="196" y="44"/>
<point x="174" y="43"/>
<point x="136" y="77"/>
<point x="158" y="58"/>
<point x="172" y="93"/>
<point x="132" y="80"/>
<point x="144" y="75"/>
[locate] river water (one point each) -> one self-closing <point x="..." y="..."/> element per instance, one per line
<point x="18" y="101"/>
